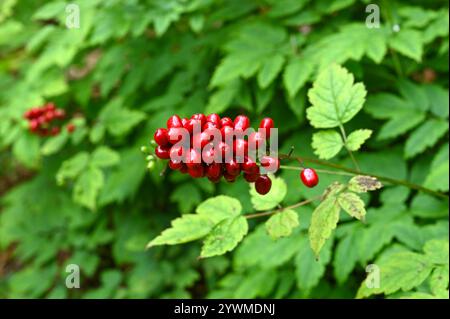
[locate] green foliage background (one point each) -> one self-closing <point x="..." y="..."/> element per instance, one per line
<point x="88" y="199"/>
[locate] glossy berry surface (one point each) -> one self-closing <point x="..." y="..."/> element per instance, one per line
<point x="309" y="177"/>
<point x="263" y="184"/>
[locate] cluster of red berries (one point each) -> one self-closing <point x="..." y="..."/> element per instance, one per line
<point x="230" y="155"/>
<point x="44" y="120"/>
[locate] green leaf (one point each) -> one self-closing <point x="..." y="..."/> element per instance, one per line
<point x="88" y="186"/>
<point x="352" y="204"/>
<point x="408" y="42"/>
<point x="436" y="251"/>
<point x="97" y="133"/>
<point x="221" y="99"/>
<point x="400" y="125"/>
<point x="425" y="136"/>
<point x="73" y="167"/>
<point x="224" y="237"/>
<point x="104" y="157"/>
<point x="346" y="256"/>
<point x="323" y="221"/>
<point x="363" y="184"/>
<point x="335" y="98"/>
<point x="296" y="73"/>
<point x="26" y="150"/>
<point x="50" y="10"/>
<point x="438" y="98"/>
<point x="281" y="224"/>
<point x="269" y="70"/>
<point x="439" y="279"/>
<point x="119" y="120"/>
<point x="438" y="178"/>
<point x="186" y="203"/>
<point x="219" y="208"/>
<point x="357" y="138"/>
<point x="186" y="228"/>
<point x="327" y="144"/>
<point x="401" y="271"/>
<point x="55" y="144"/>
<point x="271" y="199"/>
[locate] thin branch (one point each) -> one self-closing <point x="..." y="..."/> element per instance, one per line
<point x="272" y="212"/>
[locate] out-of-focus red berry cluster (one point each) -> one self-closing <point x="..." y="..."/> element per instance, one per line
<point x="228" y="158"/>
<point x="46" y="120"/>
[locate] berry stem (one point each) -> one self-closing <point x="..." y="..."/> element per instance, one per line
<point x="272" y="212"/>
<point x="356" y="172"/>
<point x="323" y="171"/>
<point x="344" y="136"/>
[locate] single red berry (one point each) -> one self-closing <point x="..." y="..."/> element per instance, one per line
<point x="176" y="134"/>
<point x="196" y="171"/>
<point x="201" y="139"/>
<point x="174" y="121"/>
<point x="184" y="121"/>
<point x="161" y="137"/>
<point x="233" y="167"/>
<point x="191" y="124"/>
<point x="183" y="168"/>
<point x="33" y="125"/>
<point x="163" y="152"/>
<point x="210" y="125"/>
<point x="225" y="150"/>
<point x="175" y="165"/>
<point x="267" y="124"/>
<point x="214" y="170"/>
<point x="263" y="184"/>
<point x="227" y="131"/>
<point x="50" y="107"/>
<point x="49" y="116"/>
<point x="271" y="164"/>
<point x="241" y="122"/>
<point x="309" y="177"/>
<point x="214" y="179"/>
<point x="214" y="118"/>
<point x="208" y="153"/>
<point x="71" y="127"/>
<point x="200" y="117"/>
<point x="193" y="158"/>
<point x="251" y="178"/>
<point x="59" y="114"/>
<point x="55" y="131"/>
<point x="176" y="153"/>
<point x="229" y="177"/>
<point x="226" y="121"/>
<point x="249" y="166"/>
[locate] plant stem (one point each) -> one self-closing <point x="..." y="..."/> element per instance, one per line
<point x="344" y="136"/>
<point x="323" y="171"/>
<point x="356" y="172"/>
<point x="272" y="212"/>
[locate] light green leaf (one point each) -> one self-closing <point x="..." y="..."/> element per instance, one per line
<point x="219" y="208"/>
<point x="345" y="256"/>
<point x="425" y="136"/>
<point x="401" y="271"/>
<point x="282" y="223"/>
<point x="119" y="120"/>
<point x="363" y="184"/>
<point x="88" y="186"/>
<point x="400" y="125"/>
<point x="225" y="236"/>
<point x="352" y="204"/>
<point x="221" y="99"/>
<point x="269" y="70"/>
<point x="439" y="279"/>
<point x="323" y="221"/>
<point x="437" y="251"/>
<point x="186" y="228"/>
<point x="105" y="157"/>
<point x="73" y="167"/>
<point x="438" y="178"/>
<point x="296" y="74"/>
<point x="357" y="138"/>
<point x="408" y="42"/>
<point x="335" y="98"/>
<point x="97" y="133"/>
<point x="271" y="199"/>
<point x="327" y="144"/>
<point x="26" y="150"/>
<point x="55" y="144"/>
<point x="438" y="98"/>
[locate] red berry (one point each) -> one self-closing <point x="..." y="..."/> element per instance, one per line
<point x="267" y="123"/>
<point x="33" y="125"/>
<point x="184" y="121"/>
<point x="183" y="168"/>
<point x="249" y="166"/>
<point x="55" y="131"/>
<point x="241" y="122"/>
<point x="201" y="139"/>
<point x="71" y="127"/>
<point x="49" y="116"/>
<point x="227" y="131"/>
<point x="196" y="171"/>
<point x="175" y="165"/>
<point x="270" y="164"/>
<point x="50" y="107"/>
<point x="214" y="118"/>
<point x="214" y="170"/>
<point x="251" y="178"/>
<point x="163" y="152"/>
<point x="263" y="184"/>
<point x="191" y="124"/>
<point x="214" y="179"/>
<point x="176" y="134"/>
<point x="309" y="177"/>
<point x="161" y="137"/>
<point x="176" y="153"/>
<point x="225" y="150"/>
<point x="256" y="140"/>
<point x="208" y="153"/>
<point x="210" y="125"/>
<point x="59" y="114"/>
<point x="174" y="121"/>
<point x="226" y="121"/>
<point x="233" y="167"/>
<point x="229" y="177"/>
<point x="200" y="117"/>
<point x="240" y="148"/>
<point x="193" y="158"/>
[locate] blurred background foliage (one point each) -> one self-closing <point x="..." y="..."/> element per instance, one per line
<point x="132" y="64"/>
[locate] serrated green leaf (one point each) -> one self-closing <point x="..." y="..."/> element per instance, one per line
<point x="438" y="98"/>
<point x="269" y="70"/>
<point x="345" y="256"/>
<point x="401" y="271"/>
<point x="282" y="223"/>
<point x="408" y="42"/>
<point x="400" y="125"/>
<point x="439" y="280"/>
<point x="88" y="186"/>
<point x="335" y="98"/>
<point x="183" y="229"/>
<point x="425" y="136"/>
<point x="104" y="157"/>
<point x="437" y="251"/>
<point x="357" y="138"/>
<point x="438" y="178"/>
<point x="363" y="184"/>
<point x="219" y="208"/>
<point x="54" y="144"/>
<point x="224" y="237"/>
<point x="323" y="221"/>
<point x="327" y="144"/>
<point x="119" y="120"/>
<point x="73" y="167"/>
<point x="352" y="204"/>
<point x="271" y="199"/>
